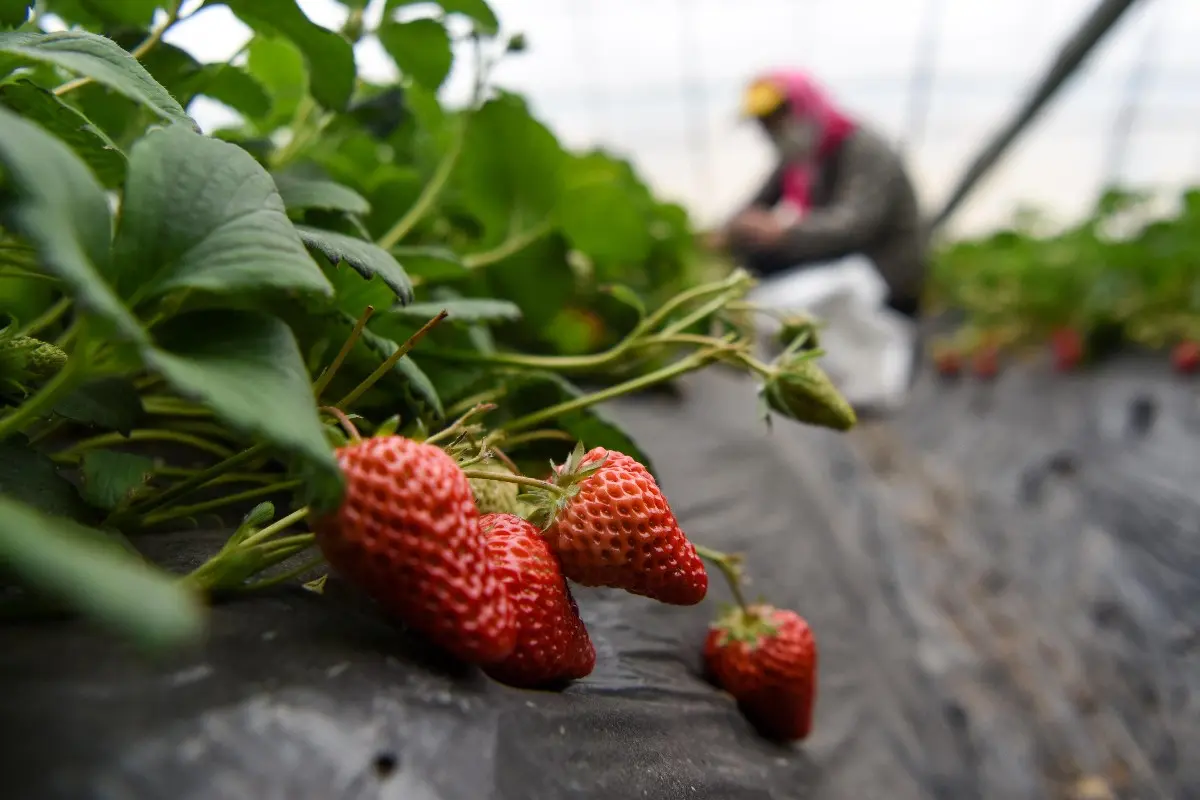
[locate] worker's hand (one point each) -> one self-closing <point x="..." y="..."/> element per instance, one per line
<point x="757" y="228"/>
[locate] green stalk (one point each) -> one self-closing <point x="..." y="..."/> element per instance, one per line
<point x="430" y="193"/>
<point x="284" y="577"/>
<point x="510" y="246"/>
<point x="144" y="435"/>
<point x="276" y="527"/>
<point x="391" y="362"/>
<point x="200" y="479"/>
<point x="725" y="564"/>
<point x="688" y="364"/>
<point x="348" y="345"/>
<point x="520" y="480"/>
<point x="179" y="512"/>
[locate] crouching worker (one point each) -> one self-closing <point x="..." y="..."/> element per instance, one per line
<point x="834" y="232"/>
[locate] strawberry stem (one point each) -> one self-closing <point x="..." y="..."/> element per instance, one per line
<point x="391" y="361"/>
<point x="198" y="508"/>
<point x="344" y="422"/>
<point x="200" y="478"/>
<point x="730" y="568"/>
<point x="327" y="376"/>
<point x="520" y="480"/>
<point x="276" y="527"/>
<point x="454" y="428"/>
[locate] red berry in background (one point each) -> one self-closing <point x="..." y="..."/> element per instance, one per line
<point x="948" y="363"/>
<point x="1067" y="345"/>
<point x="407" y="534"/>
<point x="767" y="659"/>
<point x="985" y="361"/>
<point x="617" y="530"/>
<point x="1185" y="357"/>
<point x="552" y="643"/>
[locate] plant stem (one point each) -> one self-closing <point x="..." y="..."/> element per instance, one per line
<point x="430" y="193"/>
<point x="138" y="52"/>
<point x="41" y="403"/>
<point x="180" y="512"/>
<point x="200" y="478"/>
<point x="231" y="477"/>
<point x="351" y="431"/>
<point x="276" y="527"/>
<point x="295" y="543"/>
<point x="391" y="362"/>
<point x="510" y="246"/>
<point x="166" y="406"/>
<point x="535" y="436"/>
<point x="284" y="577"/>
<point x="725" y="563"/>
<point x="144" y="435"/>
<point x="688" y="364"/>
<point x="48" y="318"/>
<point x="520" y="480"/>
<point x="326" y="376"/>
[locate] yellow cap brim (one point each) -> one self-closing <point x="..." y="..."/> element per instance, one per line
<point x="762" y="99"/>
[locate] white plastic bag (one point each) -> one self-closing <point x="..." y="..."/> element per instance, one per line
<point x="868" y="346"/>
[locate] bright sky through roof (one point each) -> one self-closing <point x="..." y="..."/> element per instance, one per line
<point x="658" y="80"/>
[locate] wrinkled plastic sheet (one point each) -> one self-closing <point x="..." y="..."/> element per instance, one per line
<point x="1004" y="582"/>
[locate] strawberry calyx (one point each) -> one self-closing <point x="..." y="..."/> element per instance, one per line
<point x="750" y="625"/>
<point x="547" y="501"/>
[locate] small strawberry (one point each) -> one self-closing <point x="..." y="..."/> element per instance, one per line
<point x="985" y="361"/>
<point x="552" y="643"/>
<point x="1067" y="346"/>
<point x="767" y="659"/>
<point x="407" y="534"/>
<point x="1185" y="357"/>
<point x="613" y="527"/>
<point x="947" y="362"/>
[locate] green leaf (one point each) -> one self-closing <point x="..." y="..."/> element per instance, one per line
<point x="247" y="368"/>
<point x="139" y="13"/>
<point x="82" y="569"/>
<point x="329" y="56"/>
<point x="64" y="121"/>
<point x="108" y="403"/>
<point x="421" y="49"/>
<point x="478" y="11"/>
<point x="110" y="478"/>
<point x="33" y="476"/>
<point x="103" y="61"/>
<point x="367" y="258"/>
<point x="304" y="193"/>
<point x="598" y="213"/>
<point x="14" y="12"/>
<point x="464" y="310"/>
<point x="234" y="87"/>
<point x="278" y="65"/>
<point x="202" y="214"/>
<point x="51" y="198"/>
<point x="510" y="171"/>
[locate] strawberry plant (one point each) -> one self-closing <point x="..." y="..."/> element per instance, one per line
<point x="351" y="327"/>
<point x="1123" y="276"/>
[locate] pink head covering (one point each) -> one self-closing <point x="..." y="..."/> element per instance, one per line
<point x="809" y="102"/>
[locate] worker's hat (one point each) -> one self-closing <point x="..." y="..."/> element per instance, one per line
<point x="762" y="98"/>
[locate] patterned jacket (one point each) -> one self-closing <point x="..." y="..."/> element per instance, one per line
<point x="862" y="202"/>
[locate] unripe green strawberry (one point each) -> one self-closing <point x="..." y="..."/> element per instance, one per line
<point x="495" y="497"/>
<point x="24" y="357"/>
<point x="45" y="360"/>
<point x="799" y="389"/>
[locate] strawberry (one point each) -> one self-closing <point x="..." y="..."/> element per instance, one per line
<point x="552" y="643"/>
<point x="948" y="363"/>
<point x="1067" y="347"/>
<point x="985" y="362"/>
<point x="767" y="659"/>
<point x="407" y="534"/>
<point x="613" y="527"/>
<point x="1185" y="357"/>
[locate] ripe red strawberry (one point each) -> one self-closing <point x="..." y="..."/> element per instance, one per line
<point x="1067" y="347"/>
<point x="948" y="363"/>
<point x="1185" y="357"/>
<point x="767" y="659"/>
<point x="614" y="528"/>
<point x="985" y="362"/>
<point x="552" y="643"/>
<point x="407" y="534"/>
